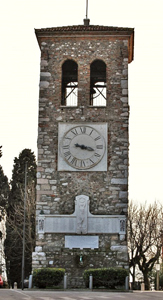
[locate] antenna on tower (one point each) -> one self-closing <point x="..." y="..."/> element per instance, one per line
<point x="86" y="8"/>
<point x="86" y="20"/>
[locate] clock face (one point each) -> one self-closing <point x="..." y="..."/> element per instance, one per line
<point x="82" y="147"/>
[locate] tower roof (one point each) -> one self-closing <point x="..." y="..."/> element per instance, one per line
<point x="85" y="28"/>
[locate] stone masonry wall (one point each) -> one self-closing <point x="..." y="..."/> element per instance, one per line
<point x="108" y="191"/>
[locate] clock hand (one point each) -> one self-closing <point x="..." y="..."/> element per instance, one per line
<point x="81" y="146"/>
<point x="90" y="149"/>
<point x="84" y="147"/>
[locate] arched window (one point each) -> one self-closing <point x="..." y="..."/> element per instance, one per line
<point x="98" y="83"/>
<point x="69" y="83"/>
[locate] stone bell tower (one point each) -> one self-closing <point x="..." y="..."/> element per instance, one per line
<point x="82" y="176"/>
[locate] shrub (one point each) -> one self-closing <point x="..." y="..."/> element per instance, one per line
<point x="161" y="280"/>
<point x="106" y="277"/>
<point x="47" y="277"/>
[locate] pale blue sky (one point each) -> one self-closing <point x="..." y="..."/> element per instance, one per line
<point x="19" y="79"/>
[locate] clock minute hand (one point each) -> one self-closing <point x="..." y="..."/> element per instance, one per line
<point x="90" y="148"/>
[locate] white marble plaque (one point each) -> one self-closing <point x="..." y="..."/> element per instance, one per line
<point x="82" y="221"/>
<point x="81" y="242"/>
<point x="60" y="224"/>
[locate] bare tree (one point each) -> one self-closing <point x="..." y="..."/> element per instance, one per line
<point x="15" y="231"/>
<point x="15" y="216"/>
<point x="144" y="238"/>
<point x="18" y="216"/>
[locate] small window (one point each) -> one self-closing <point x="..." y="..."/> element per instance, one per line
<point x="69" y="83"/>
<point x="98" y="83"/>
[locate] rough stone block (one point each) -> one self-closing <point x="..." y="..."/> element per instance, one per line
<point x="119" y="248"/>
<point x="42" y="181"/>
<point x="38" y="249"/>
<point x="123" y="195"/>
<point x="124" y="84"/>
<point x="45" y="74"/>
<point x="119" y="181"/>
<point x="44" y="84"/>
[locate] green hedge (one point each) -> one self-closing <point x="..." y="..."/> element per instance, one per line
<point x="106" y="277"/>
<point x="47" y="277"/>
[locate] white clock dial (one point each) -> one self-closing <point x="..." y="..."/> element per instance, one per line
<point x="82" y="147"/>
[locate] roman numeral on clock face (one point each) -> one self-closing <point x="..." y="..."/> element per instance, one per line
<point x="67" y="153"/>
<point x="91" y="132"/>
<point x="74" y="161"/>
<point x="99" y="146"/>
<point x="83" y="130"/>
<point x="91" y="161"/>
<point x="97" y="154"/>
<point x="65" y="147"/>
<point x="82" y="163"/>
<point x="74" y="131"/>
<point x="97" y="138"/>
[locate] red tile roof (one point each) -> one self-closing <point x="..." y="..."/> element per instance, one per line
<point x="85" y="28"/>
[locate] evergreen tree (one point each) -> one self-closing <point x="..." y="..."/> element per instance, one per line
<point x="4" y="194"/>
<point x="15" y="217"/>
<point x="0" y="151"/>
<point x="4" y="190"/>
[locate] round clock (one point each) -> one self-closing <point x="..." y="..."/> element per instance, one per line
<point x="82" y="147"/>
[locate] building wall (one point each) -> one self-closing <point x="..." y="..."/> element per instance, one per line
<point x="107" y="191"/>
<point x="2" y="240"/>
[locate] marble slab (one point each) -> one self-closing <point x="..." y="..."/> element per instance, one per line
<point x="82" y="221"/>
<point x="81" y="242"/>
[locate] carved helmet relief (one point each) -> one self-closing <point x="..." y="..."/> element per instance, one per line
<point x="81" y="214"/>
